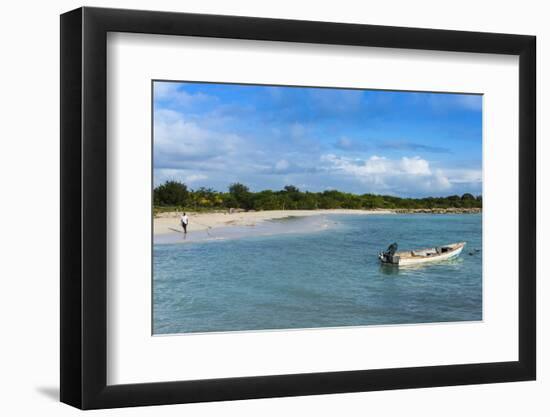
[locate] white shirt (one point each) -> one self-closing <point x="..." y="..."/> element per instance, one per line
<point x="184" y="219"/>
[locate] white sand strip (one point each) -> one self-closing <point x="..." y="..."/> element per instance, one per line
<point x="167" y="222"/>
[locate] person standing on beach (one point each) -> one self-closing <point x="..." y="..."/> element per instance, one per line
<point x="184" y="222"/>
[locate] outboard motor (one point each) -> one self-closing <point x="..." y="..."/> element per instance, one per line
<point x="387" y="255"/>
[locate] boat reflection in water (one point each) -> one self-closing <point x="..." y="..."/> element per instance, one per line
<point x="387" y="269"/>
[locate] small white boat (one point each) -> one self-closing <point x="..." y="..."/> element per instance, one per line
<point x="419" y="256"/>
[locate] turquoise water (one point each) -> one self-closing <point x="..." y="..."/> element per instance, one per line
<point x="325" y="275"/>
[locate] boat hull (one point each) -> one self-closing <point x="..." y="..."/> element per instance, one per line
<point x="435" y="258"/>
<point x="409" y="258"/>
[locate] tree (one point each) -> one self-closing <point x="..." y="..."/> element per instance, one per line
<point x="229" y="201"/>
<point x="171" y="193"/>
<point x="241" y="194"/>
<point x="291" y="189"/>
<point x="266" y="200"/>
<point x="205" y="197"/>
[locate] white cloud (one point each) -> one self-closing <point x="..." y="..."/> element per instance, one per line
<point x="196" y="177"/>
<point x="378" y="173"/>
<point x="440" y="181"/>
<point x="415" y="166"/>
<point x="164" y="90"/>
<point x="182" y="175"/>
<point x="168" y="91"/>
<point x="179" y="140"/>
<point x="464" y="176"/>
<point x="282" y="165"/>
<point x="379" y="165"/>
<point x="198" y="152"/>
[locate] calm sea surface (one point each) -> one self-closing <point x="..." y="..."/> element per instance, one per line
<point x="325" y="274"/>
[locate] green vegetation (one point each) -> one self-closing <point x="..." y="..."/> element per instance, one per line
<point x="173" y="195"/>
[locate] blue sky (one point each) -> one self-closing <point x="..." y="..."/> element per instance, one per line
<point x="408" y="144"/>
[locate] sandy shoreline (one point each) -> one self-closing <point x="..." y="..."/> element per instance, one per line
<point x="169" y="223"/>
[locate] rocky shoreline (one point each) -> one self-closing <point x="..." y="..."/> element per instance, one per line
<point x="281" y="213"/>
<point x="449" y="210"/>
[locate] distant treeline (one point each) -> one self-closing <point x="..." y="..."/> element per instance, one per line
<point x="177" y="194"/>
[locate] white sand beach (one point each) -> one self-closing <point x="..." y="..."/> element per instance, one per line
<point x="169" y="223"/>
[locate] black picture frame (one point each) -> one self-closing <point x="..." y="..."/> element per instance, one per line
<point x="84" y="207"/>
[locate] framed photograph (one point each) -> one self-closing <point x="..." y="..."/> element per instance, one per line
<point x="256" y="208"/>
